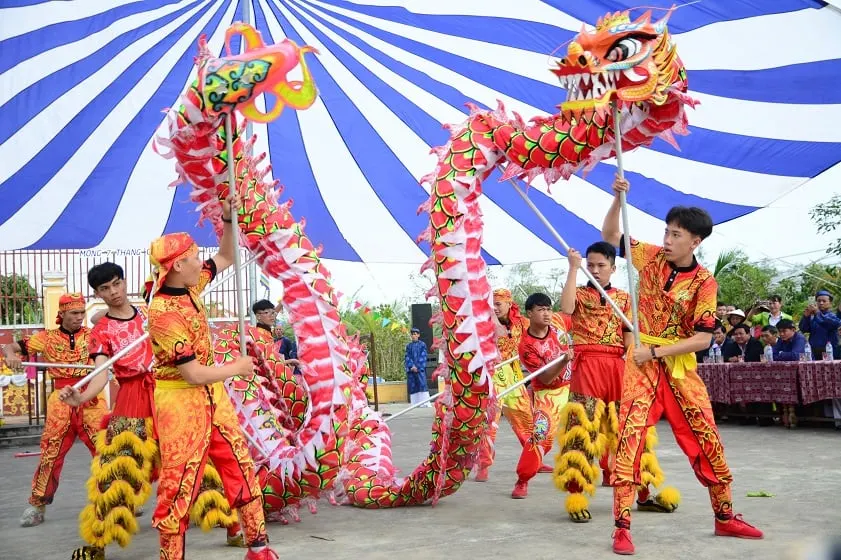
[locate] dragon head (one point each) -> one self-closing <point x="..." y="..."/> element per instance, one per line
<point x="620" y="60"/>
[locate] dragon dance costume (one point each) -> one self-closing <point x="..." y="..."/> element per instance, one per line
<point x="126" y="451"/>
<point x="674" y="303"/>
<point x="548" y="399"/>
<point x="64" y="423"/>
<point x="588" y="430"/>
<point x="515" y="406"/>
<point x="194" y="423"/>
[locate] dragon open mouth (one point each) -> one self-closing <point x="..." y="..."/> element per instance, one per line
<point x="586" y="86"/>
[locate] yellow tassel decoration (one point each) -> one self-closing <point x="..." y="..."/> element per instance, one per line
<point x="119" y="483"/>
<point x="581" y="443"/>
<point x="211" y="509"/>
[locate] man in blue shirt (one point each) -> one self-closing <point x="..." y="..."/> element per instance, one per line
<point x="415" y="362"/>
<point x="791" y="344"/>
<point x="822" y="325"/>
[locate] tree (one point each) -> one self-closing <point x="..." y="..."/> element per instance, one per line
<point x="19" y="301"/>
<point x="523" y="281"/>
<point x="740" y="281"/>
<point x="827" y="217"/>
<point x="389" y="344"/>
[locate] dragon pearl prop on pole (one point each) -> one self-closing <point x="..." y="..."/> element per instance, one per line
<point x="436" y="395"/>
<point x="108" y="363"/>
<point x="626" y="229"/>
<point x="566" y="247"/>
<point x="232" y="189"/>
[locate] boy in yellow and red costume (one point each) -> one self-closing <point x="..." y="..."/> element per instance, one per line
<point x="677" y="304"/>
<point x="195" y="418"/>
<point x="67" y="344"/>
<point x="588" y="431"/>
<point x="544" y="340"/>
<point x="516" y="406"/>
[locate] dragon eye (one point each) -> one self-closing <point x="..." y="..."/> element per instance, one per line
<point x="624" y="49"/>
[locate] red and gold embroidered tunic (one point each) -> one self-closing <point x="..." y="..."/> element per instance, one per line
<point x="594" y="321"/>
<point x="178" y="327"/>
<point x="60" y="346"/>
<point x="674" y="302"/>
<point x="133" y="370"/>
<point x="537" y="352"/>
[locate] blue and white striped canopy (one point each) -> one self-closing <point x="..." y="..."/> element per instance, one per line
<point x="83" y="85"/>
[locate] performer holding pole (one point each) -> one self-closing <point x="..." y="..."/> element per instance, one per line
<point x="195" y="418"/>
<point x="66" y="344"/>
<point x="677" y="299"/>
<point x="515" y="406"/>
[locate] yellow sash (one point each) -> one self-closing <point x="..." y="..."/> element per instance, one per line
<point x="168" y="384"/>
<point x="677" y="365"/>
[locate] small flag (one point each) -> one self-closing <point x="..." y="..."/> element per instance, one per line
<point x="264" y="283"/>
<point x="356" y="305"/>
<point x="386" y="321"/>
<point x="395" y="326"/>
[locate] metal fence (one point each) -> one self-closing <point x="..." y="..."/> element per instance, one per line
<point x="22" y="273"/>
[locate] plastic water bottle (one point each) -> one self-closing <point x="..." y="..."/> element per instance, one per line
<point x="769" y="354"/>
<point x="711" y="354"/>
<point x="718" y="358"/>
<point x="827" y="352"/>
<point x="808" y="351"/>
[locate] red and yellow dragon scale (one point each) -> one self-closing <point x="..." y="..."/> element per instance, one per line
<point x="320" y="436"/>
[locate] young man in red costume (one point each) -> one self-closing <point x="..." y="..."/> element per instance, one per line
<point x="66" y="344"/>
<point x="677" y="304"/>
<point x="516" y="406"/>
<point x="543" y="341"/>
<point x="195" y="418"/>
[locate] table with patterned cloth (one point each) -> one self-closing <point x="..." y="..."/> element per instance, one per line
<point x="717" y="379"/>
<point x="819" y="381"/>
<point x="751" y="382"/>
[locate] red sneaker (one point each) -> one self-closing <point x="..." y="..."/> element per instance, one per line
<point x="482" y="475"/>
<point x="736" y="527"/>
<point x="265" y="554"/>
<point x="622" y="543"/>
<point x="521" y="490"/>
<point x="545" y="469"/>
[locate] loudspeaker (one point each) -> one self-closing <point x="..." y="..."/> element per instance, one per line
<point x="421" y="315"/>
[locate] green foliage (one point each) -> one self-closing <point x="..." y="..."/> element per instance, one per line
<point x="740" y="281"/>
<point x="827" y="217"/>
<point x="523" y="281"/>
<point x="389" y="344"/>
<point x="19" y="302"/>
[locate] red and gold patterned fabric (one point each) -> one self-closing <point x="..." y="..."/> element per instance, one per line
<point x="63" y="425"/>
<point x="167" y="249"/>
<point x="675" y="303"/>
<point x="504" y="377"/>
<point x="133" y="370"/>
<point x="62" y="347"/>
<point x="537" y="352"/>
<point x="69" y="302"/>
<point x="194" y="423"/>
<point x="594" y="321"/>
<point x="179" y="328"/>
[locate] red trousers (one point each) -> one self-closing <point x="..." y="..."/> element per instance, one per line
<point x="64" y="424"/>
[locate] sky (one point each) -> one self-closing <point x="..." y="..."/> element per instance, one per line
<point x="782" y="232"/>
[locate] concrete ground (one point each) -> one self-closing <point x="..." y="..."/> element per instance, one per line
<point x="802" y="468"/>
